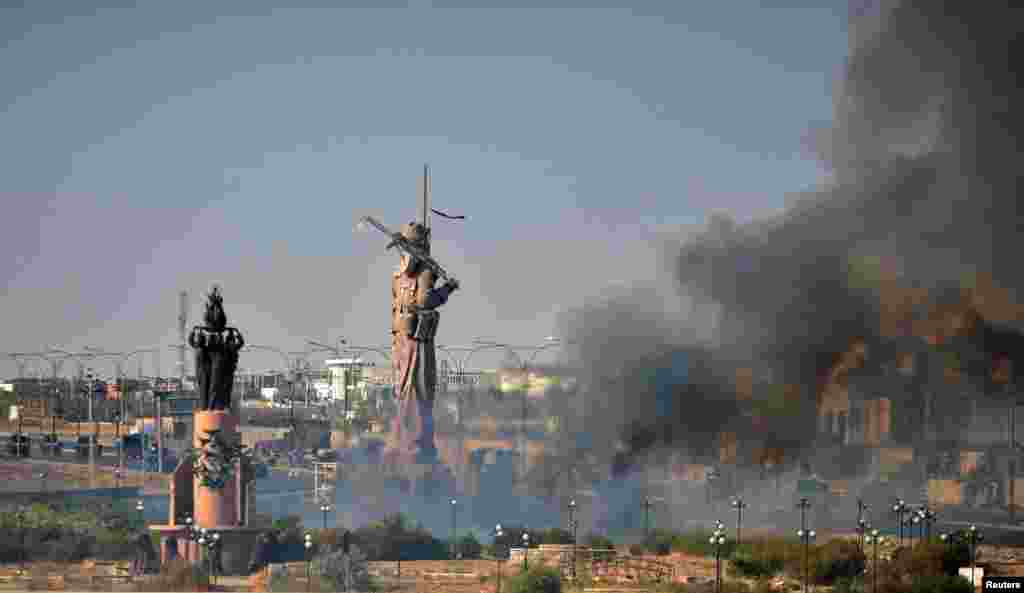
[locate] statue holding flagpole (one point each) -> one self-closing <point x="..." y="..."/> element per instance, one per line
<point x="415" y="299"/>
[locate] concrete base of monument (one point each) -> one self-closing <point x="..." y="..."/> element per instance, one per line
<point x="237" y="546"/>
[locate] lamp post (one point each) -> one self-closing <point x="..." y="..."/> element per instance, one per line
<point x="900" y="508"/>
<point x="455" y="542"/>
<point x="862" y="510"/>
<point x="201" y="541"/>
<point x="718" y="540"/>
<point x="526" y="551"/>
<point x="739" y="505"/>
<point x="308" y="543"/>
<point x="498" y="534"/>
<point x="212" y="545"/>
<point x="862" y="528"/>
<point x="21" y="534"/>
<point x="140" y="508"/>
<point x="916" y="521"/>
<point x="974" y="537"/>
<point x="190" y="533"/>
<point x="325" y="508"/>
<point x="928" y="517"/>
<point x="874" y="539"/>
<point x="573" y="525"/>
<point x="647" y="520"/>
<point x="806" y="536"/>
<point x="41" y="476"/>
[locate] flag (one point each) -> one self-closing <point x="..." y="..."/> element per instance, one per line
<point x="448" y="216"/>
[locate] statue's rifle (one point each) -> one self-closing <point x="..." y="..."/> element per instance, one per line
<point x="410" y="248"/>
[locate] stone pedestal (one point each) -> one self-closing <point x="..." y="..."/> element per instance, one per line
<point x="220" y="510"/>
<point x="237" y="545"/>
<point x="216" y="508"/>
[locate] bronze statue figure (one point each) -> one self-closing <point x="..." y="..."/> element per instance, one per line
<point x="414" y="321"/>
<point x="216" y="347"/>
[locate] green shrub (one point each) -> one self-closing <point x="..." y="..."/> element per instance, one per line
<point x="745" y="564"/>
<point x="941" y="584"/>
<point x="539" y="579"/>
<point x="837" y="559"/>
<point x="927" y="559"/>
<point x="598" y="542"/>
<point x="659" y="542"/>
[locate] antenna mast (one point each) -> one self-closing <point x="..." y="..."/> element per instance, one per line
<point x="182" y="322"/>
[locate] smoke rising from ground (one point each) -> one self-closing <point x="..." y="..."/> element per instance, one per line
<point x="924" y="156"/>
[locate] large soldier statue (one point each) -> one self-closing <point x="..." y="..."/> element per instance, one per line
<point x="414" y="321"/>
<point x="216" y="346"/>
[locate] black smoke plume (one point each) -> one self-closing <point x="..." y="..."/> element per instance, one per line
<point x="925" y="169"/>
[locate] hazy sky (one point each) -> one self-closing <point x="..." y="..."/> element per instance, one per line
<point x="172" y="145"/>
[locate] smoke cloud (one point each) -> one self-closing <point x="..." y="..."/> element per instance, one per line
<point x="924" y="194"/>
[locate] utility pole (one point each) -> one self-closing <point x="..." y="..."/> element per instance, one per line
<point x="182" y="324"/>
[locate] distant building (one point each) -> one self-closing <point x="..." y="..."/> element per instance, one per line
<point x="349" y="378"/>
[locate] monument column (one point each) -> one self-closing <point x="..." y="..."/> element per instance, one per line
<point x="212" y="476"/>
<point x="216" y="506"/>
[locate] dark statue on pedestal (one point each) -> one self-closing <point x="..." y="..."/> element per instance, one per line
<point x="216" y="347"/>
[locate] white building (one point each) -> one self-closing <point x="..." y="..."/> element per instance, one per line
<point x="347" y="379"/>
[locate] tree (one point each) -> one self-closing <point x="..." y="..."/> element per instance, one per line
<point x="349" y="573"/>
<point x="470" y="547"/>
<point x="395" y="537"/>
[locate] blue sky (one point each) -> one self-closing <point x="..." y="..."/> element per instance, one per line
<point x="158" y="147"/>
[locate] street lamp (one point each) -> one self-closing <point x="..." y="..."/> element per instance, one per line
<point x="21" y="533"/>
<point x="573" y="525"/>
<point x="325" y="508"/>
<point x="190" y="533"/>
<point x="806" y="536"/>
<point x="900" y="508"/>
<point x="455" y="542"/>
<point x="718" y="540"/>
<point x="139" y="508"/>
<point x="526" y="551"/>
<point x="498" y="534"/>
<point x="862" y="528"/>
<point x="874" y="539"/>
<point x="201" y="541"/>
<point x="803" y="505"/>
<point x="309" y="560"/>
<point x="647" y="520"/>
<point x="212" y="544"/>
<point x="739" y="505"/>
<point x="974" y="537"/>
<point x="862" y="510"/>
<point x="928" y="517"/>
